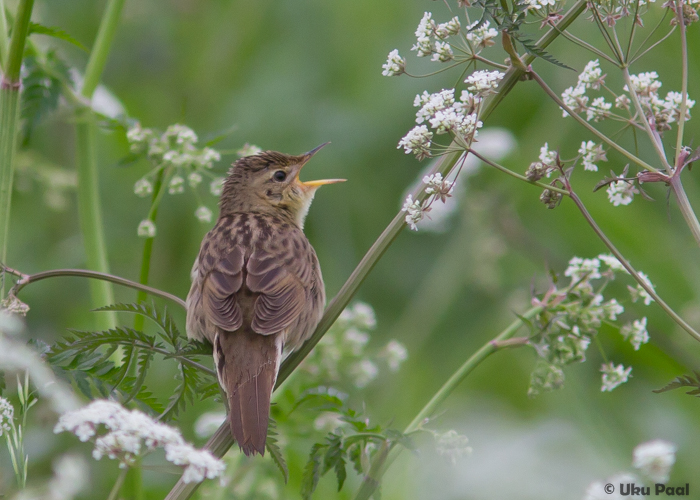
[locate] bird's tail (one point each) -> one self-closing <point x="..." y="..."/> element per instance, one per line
<point x="247" y="365"/>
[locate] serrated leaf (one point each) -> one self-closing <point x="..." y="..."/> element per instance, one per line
<point x="170" y="332"/>
<point x="39" y="29"/>
<point x="531" y="46"/>
<point x="683" y="381"/>
<point x="334" y="459"/>
<point x="312" y="471"/>
<point x="274" y="449"/>
<point x="143" y="361"/>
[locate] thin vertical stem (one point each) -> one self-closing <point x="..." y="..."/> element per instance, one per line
<point x="685" y="207"/>
<point x="9" y="119"/>
<point x="4" y="48"/>
<point x="89" y="203"/>
<point x="684" y="82"/>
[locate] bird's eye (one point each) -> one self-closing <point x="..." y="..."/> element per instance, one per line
<point x="279" y="176"/>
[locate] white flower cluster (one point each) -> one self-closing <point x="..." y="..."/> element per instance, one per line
<point x="452" y="445"/>
<point x="614" y="376"/>
<point x="395" y="64"/>
<point x="538" y="4"/>
<point x="571" y="316"/>
<point x="436" y="188"/>
<point x="69" y="479"/>
<point x="621" y="192"/>
<point x="7" y="415"/>
<point x="484" y="82"/>
<point x="482" y="36"/>
<point x="661" y="113"/>
<point x="175" y="153"/>
<point x="131" y="434"/>
<point x="430" y="41"/>
<point x="342" y="353"/>
<point x="655" y="459"/>
<point x="591" y="153"/>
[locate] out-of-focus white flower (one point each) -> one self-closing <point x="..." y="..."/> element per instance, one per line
<point x="203" y="214"/>
<point x="146" y="229"/>
<point x="176" y="185"/>
<point x="207" y="423"/>
<point x="612" y="262"/>
<point x="622" y="101"/>
<point x="356" y="339"/>
<point x="130" y="432"/>
<point x="395" y="353"/>
<point x="248" y="150"/>
<point x="636" y="332"/>
<point x="328" y="421"/>
<point x="364" y="371"/>
<point x="614" y="376"/>
<point x="414" y="212"/>
<point x="395" y="64"/>
<point x="655" y="459"/>
<point x="217" y="186"/>
<point x="7" y="415"/>
<point x="143" y="187"/>
<point x="621" y="192"/>
<point x="10" y="308"/>
<point x="548" y="157"/>
<point x="452" y="445"/>
<point x="580" y="268"/>
<point x="639" y="292"/>
<point x="590" y="154"/>
<point x="194" y="179"/>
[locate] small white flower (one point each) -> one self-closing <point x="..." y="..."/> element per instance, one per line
<point x="621" y="192"/>
<point x="194" y="179"/>
<point x="356" y="340"/>
<point x="10" y="310"/>
<point x="203" y="214"/>
<point x="443" y="52"/>
<point x="364" y="372"/>
<point x="182" y="134"/>
<point x="360" y="315"/>
<point x="176" y="185"/>
<point x="414" y="212"/>
<point x="207" y="157"/>
<point x="452" y="445"/>
<point x="640" y="293"/>
<point x="548" y="157"/>
<point x="614" y="376"/>
<point x="655" y="459"/>
<point x="248" y="150"/>
<point x="645" y="84"/>
<point x="146" y="229"/>
<point x="636" y="332"/>
<point x="580" y="268"/>
<point x="143" y="187"/>
<point x="613" y="309"/>
<point x="591" y="153"/>
<point x="395" y="353"/>
<point x="484" y="82"/>
<point x="576" y="99"/>
<point x="672" y="106"/>
<point x="395" y="64"/>
<point x="612" y="262"/>
<point x="432" y="103"/>
<point x="482" y="36"/>
<point x="217" y="186"/>
<point x="622" y="101"/>
<point x="598" y="110"/>
<point x="417" y="141"/>
<point x="7" y="415"/>
<point x="592" y="76"/>
<point x="425" y="30"/>
<point x="451" y="27"/>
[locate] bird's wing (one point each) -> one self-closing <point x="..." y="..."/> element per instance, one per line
<point x="282" y="273"/>
<point x="224" y="278"/>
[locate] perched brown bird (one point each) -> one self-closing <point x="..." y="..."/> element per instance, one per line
<point x="257" y="285"/>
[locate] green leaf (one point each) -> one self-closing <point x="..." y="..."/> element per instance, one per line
<point x="275" y="451"/>
<point x="402" y="439"/>
<point x="170" y="332"/>
<point x="335" y="458"/>
<point x="312" y="471"/>
<point x="531" y="46"/>
<point x="186" y="391"/>
<point x="39" y="29"/>
<point x="683" y="381"/>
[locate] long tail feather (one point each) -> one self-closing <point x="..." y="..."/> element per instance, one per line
<point x="247" y="365"/>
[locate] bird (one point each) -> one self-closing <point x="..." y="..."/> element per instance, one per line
<point x="257" y="289"/>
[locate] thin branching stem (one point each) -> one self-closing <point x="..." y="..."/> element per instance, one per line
<point x="589" y="47"/>
<point x="635" y="56"/>
<point x="684" y="83"/>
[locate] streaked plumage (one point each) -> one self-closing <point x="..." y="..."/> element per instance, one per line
<point x="256" y="285"/>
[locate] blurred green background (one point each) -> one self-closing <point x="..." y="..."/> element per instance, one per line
<point x="289" y="75"/>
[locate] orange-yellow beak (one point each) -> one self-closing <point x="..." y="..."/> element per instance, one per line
<point x="319" y="183"/>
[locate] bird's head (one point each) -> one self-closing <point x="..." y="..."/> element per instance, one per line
<point x="268" y="182"/>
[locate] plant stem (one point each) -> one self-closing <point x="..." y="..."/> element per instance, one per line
<point x="9" y="118"/>
<point x="89" y="203"/>
<point x="114" y="493"/>
<point x="655" y="139"/>
<point x="4" y="49"/>
<point x="369" y="485"/>
<point x="26" y="279"/>
<point x="684" y="206"/>
<point x="221" y="441"/>
<point x="684" y="83"/>
<point x="680" y="321"/>
<point x="148" y="246"/>
<point x="591" y="128"/>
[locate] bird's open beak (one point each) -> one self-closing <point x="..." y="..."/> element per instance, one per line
<point x="323" y="182"/>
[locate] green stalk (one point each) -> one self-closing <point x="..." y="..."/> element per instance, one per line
<point x="684" y="206"/>
<point x="380" y="465"/>
<point x="221" y="441"/>
<point x="141" y="296"/>
<point x="684" y="83"/>
<point x="4" y="49"/>
<point x="9" y="118"/>
<point x="89" y="203"/>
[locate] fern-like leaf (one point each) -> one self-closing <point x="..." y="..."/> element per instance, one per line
<point x="274" y="450"/>
<point x="170" y="332"/>
<point x="683" y="381"/>
<point x="312" y="471"/>
<point x="52" y="31"/>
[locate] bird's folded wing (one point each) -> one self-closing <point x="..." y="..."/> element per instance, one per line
<point x="219" y="290"/>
